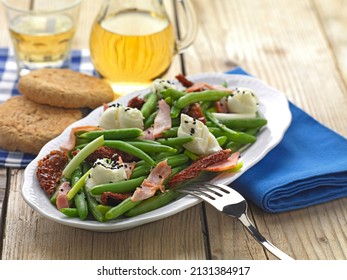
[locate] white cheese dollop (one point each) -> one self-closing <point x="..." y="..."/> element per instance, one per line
<point x="243" y="101"/>
<point x="105" y="171"/>
<point x="119" y="116"/>
<point x="204" y="143"/>
<point x="160" y="85"/>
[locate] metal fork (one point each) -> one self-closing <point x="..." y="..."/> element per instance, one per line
<point x="232" y="203"/>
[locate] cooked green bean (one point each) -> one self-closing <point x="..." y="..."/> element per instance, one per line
<point x="172" y="132"/>
<point x="233" y="135"/>
<point x="82" y="155"/>
<point x="118" y="187"/>
<point x="103" y="208"/>
<point x="70" y="212"/>
<point x="150" y="120"/>
<point x="153" y="203"/>
<point x="78" y="185"/>
<point x="130" y="149"/>
<point x="121" y="208"/>
<point x="242" y="123"/>
<point x="81" y="205"/>
<point x="175" y="141"/>
<point x="141" y="170"/>
<point x="193" y="97"/>
<point x="175" y="111"/>
<point x="150" y="105"/>
<point x="222" y="140"/>
<point x="152" y="148"/>
<point x="113" y="134"/>
<point x="92" y="206"/>
<point x="172" y="93"/>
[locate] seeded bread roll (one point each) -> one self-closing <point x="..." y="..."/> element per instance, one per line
<point x="65" y="88"/>
<point x="27" y="126"/>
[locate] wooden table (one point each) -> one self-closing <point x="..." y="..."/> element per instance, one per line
<point x="298" y="47"/>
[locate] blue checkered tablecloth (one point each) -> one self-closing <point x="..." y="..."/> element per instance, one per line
<point x="80" y="61"/>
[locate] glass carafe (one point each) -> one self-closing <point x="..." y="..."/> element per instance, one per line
<point x="133" y="41"/>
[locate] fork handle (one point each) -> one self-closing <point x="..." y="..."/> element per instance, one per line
<point x="262" y="240"/>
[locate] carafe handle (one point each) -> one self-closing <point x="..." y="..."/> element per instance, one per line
<point x="188" y="22"/>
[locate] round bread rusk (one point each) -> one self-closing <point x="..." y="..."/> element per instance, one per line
<point x="65" y="88"/>
<point x="26" y="126"/>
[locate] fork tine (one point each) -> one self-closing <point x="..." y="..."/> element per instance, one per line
<point x="198" y="191"/>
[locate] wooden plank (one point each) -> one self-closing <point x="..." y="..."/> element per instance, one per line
<point x="332" y="16"/>
<point x="177" y="237"/>
<point x="3" y="184"/>
<point x="294" y="56"/>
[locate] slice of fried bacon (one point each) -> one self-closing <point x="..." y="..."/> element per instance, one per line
<point x="153" y="183"/>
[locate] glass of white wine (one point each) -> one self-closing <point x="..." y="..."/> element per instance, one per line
<point x="41" y="32"/>
<point x="133" y="42"/>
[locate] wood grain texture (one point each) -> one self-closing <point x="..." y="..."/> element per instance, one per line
<point x="332" y="17"/>
<point x="3" y="184"/>
<point x="44" y="239"/>
<point x="294" y="46"/>
<point x="284" y="45"/>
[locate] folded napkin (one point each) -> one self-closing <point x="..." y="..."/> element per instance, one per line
<point x="79" y="61"/>
<point x="308" y="167"/>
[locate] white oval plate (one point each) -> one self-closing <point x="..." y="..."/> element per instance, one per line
<point x="273" y="106"/>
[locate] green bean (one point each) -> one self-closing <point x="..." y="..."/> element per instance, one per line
<point x="191" y="155"/>
<point x="79" y="198"/>
<point x="153" y="203"/>
<point x="244" y="122"/>
<point x="70" y="212"/>
<point x="172" y="132"/>
<point x="121" y="208"/>
<point x="193" y="97"/>
<point x="152" y="148"/>
<point x="175" y="111"/>
<point x="176" y="122"/>
<point x="168" y="101"/>
<point x="175" y="141"/>
<point x="81" y="205"/>
<point x="78" y="185"/>
<point x="103" y="208"/>
<point x="92" y="206"/>
<point x="82" y="155"/>
<point x="150" y="105"/>
<point x="141" y="170"/>
<point x="172" y="93"/>
<point x="113" y="134"/>
<point x="150" y="120"/>
<point x="221" y="140"/>
<point x="176" y="160"/>
<point x="130" y="149"/>
<point x="118" y="187"/>
<point x="81" y="141"/>
<point x="240" y="137"/>
<point x="76" y="175"/>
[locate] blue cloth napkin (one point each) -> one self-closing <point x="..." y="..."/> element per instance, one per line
<point x="308" y="167"/>
<point x="79" y="61"/>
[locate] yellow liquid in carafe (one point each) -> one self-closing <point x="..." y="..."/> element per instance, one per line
<point x="41" y="41"/>
<point x="132" y="47"/>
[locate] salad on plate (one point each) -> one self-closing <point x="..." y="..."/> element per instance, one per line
<point x="137" y="155"/>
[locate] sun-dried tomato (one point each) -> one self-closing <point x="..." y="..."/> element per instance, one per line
<point x="102" y="152"/>
<point x="184" y="81"/>
<point x="113" y="199"/>
<point x="110" y="153"/>
<point x="50" y="170"/>
<point x="195" y="168"/>
<point x="136" y="102"/>
<point x="194" y="111"/>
